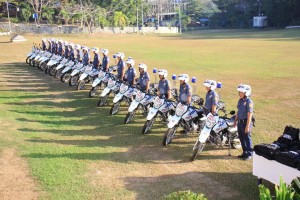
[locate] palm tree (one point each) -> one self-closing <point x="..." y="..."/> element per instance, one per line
<point x="120" y="19"/>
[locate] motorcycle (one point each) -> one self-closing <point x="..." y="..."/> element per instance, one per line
<point x="88" y="76"/>
<point x="43" y="61"/>
<point x="34" y="48"/>
<point x="76" y="73"/>
<point x="60" y="68"/>
<point x="53" y="61"/>
<point x="142" y="101"/>
<point x="102" y="78"/>
<point x="32" y="56"/>
<point x="66" y="73"/>
<point x="53" y="69"/>
<point x="125" y="94"/>
<point x="219" y="131"/>
<point x="112" y="86"/>
<point x="184" y="117"/>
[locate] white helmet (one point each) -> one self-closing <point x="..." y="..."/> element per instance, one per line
<point x="66" y="43"/>
<point x="163" y="72"/>
<point x="78" y="47"/>
<point x="95" y="49"/>
<point x="61" y="41"/>
<point x="104" y="51"/>
<point x="143" y="66"/>
<point x="245" y="89"/>
<point x="53" y="40"/>
<point x="212" y="84"/>
<point x="85" y="48"/>
<point x="130" y="61"/>
<point x="44" y="39"/>
<point x="184" y="77"/>
<point x="71" y="45"/>
<point x="121" y="55"/>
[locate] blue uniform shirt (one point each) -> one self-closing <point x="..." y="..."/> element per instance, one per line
<point x="71" y="54"/>
<point x="121" y="66"/>
<point x="163" y="86"/>
<point x="85" y="59"/>
<point x="105" y="61"/>
<point x="211" y="99"/>
<point x="59" y="51"/>
<point x="185" y="91"/>
<point x="66" y="52"/>
<point x="144" y="78"/>
<point x="130" y="75"/>
<point x="244" y="106"/>
<point x="78" y="54"/>
<point x="96" y="60"/>
<point x="53" y="50"/>
<point x="43" y="46"/>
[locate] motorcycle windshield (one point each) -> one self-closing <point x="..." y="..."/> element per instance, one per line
<point x="139" y="96"/>
<point x="211" y="120"/>
<point x="181" y="109"/>
<point x="158" y="102"/>
<point x="111" y="83"/>
<point x="123" y="88"/>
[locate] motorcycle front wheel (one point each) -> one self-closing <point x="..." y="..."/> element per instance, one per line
<point x="27" y="60"/>
<point x="43" y="66"/>
<point x="129" y="117"/>
<point x="66" y="77"/>
<point x="52" y="70"/>
<point x="81" y="85"/>
<point x="93" y="91"/>
<point x="197" y="149"/>
<point x="115" y="108"/>
<point x="74" y="80"/>
<point x="148" y="125"/>
<point x="102" y="101"/>
<point x="169" y="135"/>
<point x="58" y="74"/>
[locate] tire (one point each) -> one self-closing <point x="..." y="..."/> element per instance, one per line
<point x="169" y="135"/>
<point x="102" y="101"/>
<point x="66" y="77"/>
<point x="47" y="69"/>
<point x="129" y="117"/>
<point x="52" y="70"/>
<point x="81" y="85"/>
<point x="35" y="64"/>
<point x="148" y="125"/>
<point x="93" y="91"/>
<point x="43" y="66"/>
<point x="58" y="74"/>
<point x="73" y="80"/>
<point x="32" y="63"/>
<point x="197" y="149"/>
<point x="27" y="60"/>
<point x="115" y="108"/>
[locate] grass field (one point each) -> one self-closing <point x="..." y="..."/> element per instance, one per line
<point x="77" y="151"/>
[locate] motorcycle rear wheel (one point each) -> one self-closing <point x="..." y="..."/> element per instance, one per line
<point x="197" y="149"/>
<point x="169" y="135"/>
<point x="66" y="77"/>
<point x="129" y="117"/>
<point x="102" y="101"/>
<point x="115" y="108"/>
<point x="148" y="125"/>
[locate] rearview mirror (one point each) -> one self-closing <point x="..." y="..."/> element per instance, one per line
<point x="232" y="112"/>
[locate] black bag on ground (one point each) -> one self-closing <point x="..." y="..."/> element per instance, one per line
<point x="289" y="158"/>
<point x="269" y="150"/>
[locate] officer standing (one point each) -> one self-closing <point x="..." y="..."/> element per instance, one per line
<point x="244" y="120"/>
<point x="130" y="74"/>
<point x="78" y="52"/>
<point x="185" y="90"/>
<point x="60" y="48"/>
<point x="86" y="56"/>
<point x="105" y="60"/>
<point x="71" y="52"/>
<point x="121" y="65"/>
<point x="44" y="44"/>
<point x="144" y="80"/>
<point x="96" y="60"/>
<point x="212" y="98"/>
<point x="66" y="52"/>
<point x="164" y="90"/>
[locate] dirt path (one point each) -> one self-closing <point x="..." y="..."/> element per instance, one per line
<point x="15" y="180"/>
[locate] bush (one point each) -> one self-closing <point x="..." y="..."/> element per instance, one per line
<point x="14" y="20"/>
<point x="185" y="195"/>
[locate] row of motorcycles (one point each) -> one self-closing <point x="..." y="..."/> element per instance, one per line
<point x="213" y="129"/>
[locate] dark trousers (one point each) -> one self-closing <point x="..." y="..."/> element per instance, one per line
<point x="246" y="140"/>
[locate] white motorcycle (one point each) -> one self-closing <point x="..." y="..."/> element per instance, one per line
<point x="219" y="131"/>
<point x="112" y="86"/>
<point x="32" y="56"/>
<point x="34" y="48"/>
<point x="45" y="59"/>
<point x="53" y="69"/>
<point x="66" y="73"/>
<point x="125" y="94"/>
<point x="60" y="68"/>
<point x="76" y="73"/>
<point x="88" y="76"/>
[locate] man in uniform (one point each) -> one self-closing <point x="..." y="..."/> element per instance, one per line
<point x="130" y="74"/>
<point x="163" y="84"/>
<point x="185" y="90"/>
<point x="121" y="66"/>
<point x="212" y="98"/>
<point x="144" y="80"/>
<point x="105" y="60"/>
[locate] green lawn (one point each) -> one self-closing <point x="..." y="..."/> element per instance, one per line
<point x="77" y="151"/>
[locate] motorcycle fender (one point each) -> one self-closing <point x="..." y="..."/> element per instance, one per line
<point x="152" y="113"/>
<point x="118" y="97"/>
<point x="96" y="82"/>
<point x="173" y="121"/>
<point x="105" y="92"/>
<point x="37" y="57"/>
<point x="29" y="54"/>
<point x="49" y="63"/>
<point x="59" y="66"/>
<point x="232" y="129"/>
<point x="204" y="134"/>
<point x="66" y="69"/>
<point x="83" y="76"/>
<point x="75" y="72"/>
<point x="134" y="104"/>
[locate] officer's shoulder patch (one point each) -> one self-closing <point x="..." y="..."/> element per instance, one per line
<point x="250" y="105"/>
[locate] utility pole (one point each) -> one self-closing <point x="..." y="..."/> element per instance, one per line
<point x="179" y="19"/>
<point x="137" y="19"/>
<point x="8" y="16"/>
<point x="142" y="13"/>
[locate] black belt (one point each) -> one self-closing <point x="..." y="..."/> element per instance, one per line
<point x="242" y="121"/>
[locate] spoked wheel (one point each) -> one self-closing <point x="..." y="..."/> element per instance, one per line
<point x="43" y="66"/>
<point x="52" y="70"/>
<point x="32" y="63"/>
<point x="129" y="117"/>
<point x="66" y="77"/>
<point x="93" y="91"/>
<point x="148" y="125"/>
<point x="102" y="101"/>
<point x="169" y="135"/>
<point x="27" y="60"/>
<point x="35" y="64"/>
<point x="197" y="149"/>
<point x="58" y="74"/>
<point x="73" y="80"/>
<point x="81" y="85"/>
<point x="115" y="108"/>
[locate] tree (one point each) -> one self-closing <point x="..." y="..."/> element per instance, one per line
<point x="26" y="11"/>
<point x="202" y="8"/>
<point x="38" y="5"/>
<point x="48" y="13"/>
<point x="120" y="19"/>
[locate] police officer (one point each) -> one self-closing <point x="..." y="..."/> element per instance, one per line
<point x="44" y="44"/>
<point x="79" y="54"/>
<point x="185" y="90"/>
<point x="60" y="47"/>
<point x="120" y="65"/>
<point x="53" y="46"/>
<point x="105" y="60"/>
<point x="212" y="98"/>
<point x="66" y="52"/>
<point x="164" y="90"/>
<point x="49" y="48"/>
<point x="130" y="74"/>
<point x="86" y="56"/>
<point x="96" y="60"/>
<point x="144" y="79"/>
<point x="71" y="52"/>
<point x="244" y="120"/>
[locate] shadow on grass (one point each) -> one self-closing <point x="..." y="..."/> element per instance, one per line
<point x="213" y="184"/>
